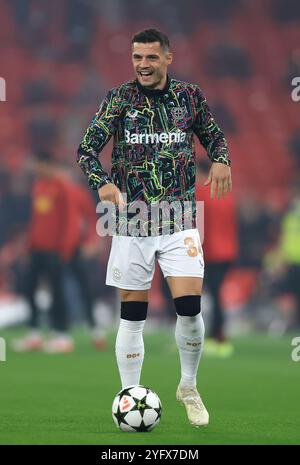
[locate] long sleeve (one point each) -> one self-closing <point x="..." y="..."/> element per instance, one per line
<point x="208" y="132"/>
<point x="99" y="132"/>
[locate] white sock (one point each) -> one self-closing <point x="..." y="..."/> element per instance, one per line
<point x="130" y="351"/>
<point x="189" y="335"/>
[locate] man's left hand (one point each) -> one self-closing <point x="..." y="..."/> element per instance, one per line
<point x="220" y="179"/>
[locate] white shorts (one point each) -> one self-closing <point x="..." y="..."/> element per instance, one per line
<point x="132" y="259"/>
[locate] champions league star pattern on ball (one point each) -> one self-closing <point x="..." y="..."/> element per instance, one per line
<point x="153" y="153"/>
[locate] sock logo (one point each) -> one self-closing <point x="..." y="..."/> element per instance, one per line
<point x="193" y="344"/>
<point x="133" y="355"/>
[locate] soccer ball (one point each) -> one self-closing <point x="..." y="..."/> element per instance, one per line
<point x="136" y="408"/>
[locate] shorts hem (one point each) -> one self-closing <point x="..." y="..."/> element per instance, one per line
<point x="128" y="287"/>
<point x="193" y="275"/>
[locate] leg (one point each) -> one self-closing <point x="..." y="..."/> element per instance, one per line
<point x="189" y="335"/>
<point x="58" y="311"/>
<point x="77" y="268"/>
<point x="133" y="296"/>
<point x="61" y="342"/>
<point x="131" y="268"/>
<point x="181" y="286"/>
<point x="214" y="276"/>
<point x="181" y="260"/>
<point x="297" y="274"/>
<point x="33" y="272"/>
<point x="189" y="332"/>
<point x="129" y="342"/>
<point x="292" y="285"/>
<point x="34" y="340"/>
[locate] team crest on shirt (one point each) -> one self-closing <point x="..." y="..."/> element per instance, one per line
<point x="178" y="113"/>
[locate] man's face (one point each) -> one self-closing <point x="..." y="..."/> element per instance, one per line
<point x="150" y="62"/>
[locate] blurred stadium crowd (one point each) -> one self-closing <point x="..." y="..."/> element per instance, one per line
<point x="59" y="58"/>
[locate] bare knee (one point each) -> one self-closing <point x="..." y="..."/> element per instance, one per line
<point x="182" y="286"/>
<point x="128" y="295"/>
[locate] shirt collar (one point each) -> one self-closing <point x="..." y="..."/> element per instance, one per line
<point x="154" y="92"/>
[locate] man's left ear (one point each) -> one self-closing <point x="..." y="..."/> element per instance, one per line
<point x="170" y="57"/>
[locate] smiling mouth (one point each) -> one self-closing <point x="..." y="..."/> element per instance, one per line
<point x="145" y="73"/>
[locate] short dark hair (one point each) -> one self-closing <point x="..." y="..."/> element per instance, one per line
<point x="152" y="35"/>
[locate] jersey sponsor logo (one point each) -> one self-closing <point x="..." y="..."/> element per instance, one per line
<point x="155" y="138"/>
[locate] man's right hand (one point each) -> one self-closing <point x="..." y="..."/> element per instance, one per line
<point x="110" y="193"/>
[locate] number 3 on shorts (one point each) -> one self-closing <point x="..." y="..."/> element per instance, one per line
<point x="191" y="247"/>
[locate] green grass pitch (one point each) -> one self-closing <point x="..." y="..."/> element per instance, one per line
<point x="252" y="398"/>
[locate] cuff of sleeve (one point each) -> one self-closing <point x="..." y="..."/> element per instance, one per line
<point x="96" y="182"/>
<point x="222" y="159"/>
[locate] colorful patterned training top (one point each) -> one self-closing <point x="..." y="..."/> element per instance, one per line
<point x="153" y="156"/>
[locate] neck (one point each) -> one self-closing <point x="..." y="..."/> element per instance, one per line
<point x="158" y="90"/>
<point x="161" y="85"/>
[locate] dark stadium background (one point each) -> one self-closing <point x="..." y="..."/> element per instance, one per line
<point x="58" y="59"/>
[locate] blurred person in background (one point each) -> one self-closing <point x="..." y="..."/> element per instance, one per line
<point x="290" y="255"/>
<point x="14" y="204"/>
<point x="294" y="145"/>
<point x="281" y="268"/>
<point x="86" y="249"/>
<point x="220" y="248"/>
<point x="48" y="248"/>
<point x="228" y="59"/>
<point x="61" y="232"/>
<point x="257" y="226"/>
